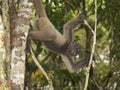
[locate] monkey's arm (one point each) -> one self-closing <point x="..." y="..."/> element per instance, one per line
<point x="74" y="66"/>
<point x="70" y="25"/>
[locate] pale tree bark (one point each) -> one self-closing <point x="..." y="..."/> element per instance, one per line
<point x="19" y="38"/>
<point x="3" y="81"/>
<point x="4" y="46"/>
<point x="5" y="16"/>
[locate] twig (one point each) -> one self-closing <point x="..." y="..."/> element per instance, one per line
<point x="42" y="70"/>
<point x="93" y="48"/>
<point x="86" y="23"/>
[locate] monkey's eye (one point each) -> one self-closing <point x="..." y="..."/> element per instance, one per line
<point x="75" y="52"/>
<point x="79" y="50"/>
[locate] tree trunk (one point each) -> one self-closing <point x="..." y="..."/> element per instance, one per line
<point x="3" y="83"/>
<point x="18" y="55"/>
<point x="4" y="46"/>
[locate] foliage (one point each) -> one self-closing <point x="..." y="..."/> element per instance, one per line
<point x="106" y="66"/>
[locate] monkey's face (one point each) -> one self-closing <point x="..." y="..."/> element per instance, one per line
<point x="74" y="49"/>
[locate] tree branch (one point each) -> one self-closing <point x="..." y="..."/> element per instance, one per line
<point x="41" y="69"/>
<point x="93" y="48"/>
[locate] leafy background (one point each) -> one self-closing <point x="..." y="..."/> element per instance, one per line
<point x="105" y="73"/>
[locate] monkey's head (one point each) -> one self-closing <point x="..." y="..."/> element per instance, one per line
<point x="74" y="49"/>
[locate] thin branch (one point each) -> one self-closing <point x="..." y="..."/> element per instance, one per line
<point x="69" y="4"/>
<point x="93" y="48"/>
<point x="86" y="23"/>
<point x="84" y="7"/>
<point x="41" y="69"/>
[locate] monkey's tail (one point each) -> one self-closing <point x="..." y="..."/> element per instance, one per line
<point x="39" y="8"/>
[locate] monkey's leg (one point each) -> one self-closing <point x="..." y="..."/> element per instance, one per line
<point x="42" y="35"/>
<point x="70" y="25"/>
